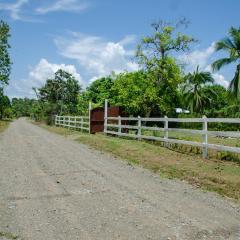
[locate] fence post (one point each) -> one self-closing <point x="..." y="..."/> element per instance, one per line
<point x="105" y="116"/>
<point x="81" y="123"/>
<point x="75" y="122"/>
<point x="89" y="116"/>
<point x="205" y="137"/>
<point x="166" y="131"/>
<point x="119" y="125"/>
<point x="64" y="121"/>
<point x="69" y="123"/>
<point x="56" y="120"/>
<point x="139" y="133"/>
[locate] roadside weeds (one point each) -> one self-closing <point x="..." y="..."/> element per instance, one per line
<point x="3" y="125"/>
<point x="9" y="236"/>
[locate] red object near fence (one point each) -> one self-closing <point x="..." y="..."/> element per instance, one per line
<point x="97" y="118"/>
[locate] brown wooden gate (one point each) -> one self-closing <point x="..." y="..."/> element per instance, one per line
<point x="97" y="117"/>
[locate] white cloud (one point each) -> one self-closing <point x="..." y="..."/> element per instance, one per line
<point x="202" y="58"/>
<point x="44" y="70"/>
<point x="220" y="79"/>
<point x="37" y="77"/>
<point x="63" y="5"/>
<point x="198" y="57"/>
<point x="97" y="56"/>
<point x="128" y="40"/>
<point x="14" y="8"/>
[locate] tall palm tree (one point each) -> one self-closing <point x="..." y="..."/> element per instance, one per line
<point x="193" y="92"/>
<point x="231" y="45"/>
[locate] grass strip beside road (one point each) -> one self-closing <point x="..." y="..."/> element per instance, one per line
<point x="214" y="175"/>
<point x="9" y="236"/>
<point x="3" y="125"/>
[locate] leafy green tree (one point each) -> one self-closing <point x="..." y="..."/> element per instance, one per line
<point x="4" y="103"/>
<point x="71" y="91"/>
<point x="62" y="90"/>
<point x="38" y="110"/>
<point x="135" y="93"/>
<point x="5" y="62"/>
<point x="194" y="96"/>
<point x="22" y="107"/>
<point x="153" y="52"/>
<point x="83" y="104"/>
<point x="60" y="94"/>
<point x="219" y="99"/>
<point x="230" y="111"/>
<point x="8" y="113"/>
<point x="231" y="45"/>
<point x="168" y="91"/>
<point x="100" y="89"/>
<point x="155" y="55"/>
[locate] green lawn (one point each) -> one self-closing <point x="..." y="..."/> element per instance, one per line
<point x="215" y="175"/>
<point x="234" y="142"/>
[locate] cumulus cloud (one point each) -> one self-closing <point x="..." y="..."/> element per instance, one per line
<point x="198" y="57"/>
<point x="97" y="56"/>
<point x="37" y="77"/>
<point x="14" y="9"/>
<point x="45" y="69"/>
<point x="202" y="58"/>
<point x="63" y="5"/>
<point x="220" y="79"/>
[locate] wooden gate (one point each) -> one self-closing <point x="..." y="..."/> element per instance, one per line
<point x="97" y="117"/>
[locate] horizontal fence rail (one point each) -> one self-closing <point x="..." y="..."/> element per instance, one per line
<point x="137" y="127"/>
<point x="166" y="130"/>
<point x="73" y="122"/>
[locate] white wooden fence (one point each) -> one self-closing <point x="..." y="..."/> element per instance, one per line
<point x="73" y="122"/>
<point x="116" y="127"/>
<point x="136" y="127"/>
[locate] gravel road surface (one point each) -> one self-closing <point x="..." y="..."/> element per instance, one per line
<point x="52" y="188"/>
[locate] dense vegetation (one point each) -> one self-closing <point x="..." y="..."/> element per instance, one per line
<point x="5" y="69"/>
<point x="159" y="86"/>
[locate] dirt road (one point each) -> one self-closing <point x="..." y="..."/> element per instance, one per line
<point x="52" y="188"/>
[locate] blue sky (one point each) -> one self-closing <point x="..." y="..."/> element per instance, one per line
<point x="91" y="38"/>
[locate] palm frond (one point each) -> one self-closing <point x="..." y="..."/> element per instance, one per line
<point x="206" y="77"/>
<point x="194" y="95"/>
<point x="234" y="86"/>
<point x="235" y="34"/>
<point x="222" y="62"/>
<point x="225" y="44"/>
